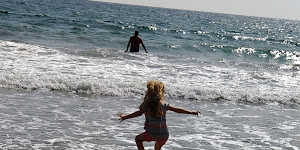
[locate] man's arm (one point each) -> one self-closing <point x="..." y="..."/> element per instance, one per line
<point x="143" y="46"/>
<point x="128" y="44"/>
<point x="183" y="111"/>
<point x="132" y="115"/>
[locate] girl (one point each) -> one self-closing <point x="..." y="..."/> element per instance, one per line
<point x="155" y="112"/>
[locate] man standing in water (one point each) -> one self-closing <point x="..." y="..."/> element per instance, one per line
<point x="135" y="42"/>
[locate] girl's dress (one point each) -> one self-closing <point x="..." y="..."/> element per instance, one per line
<point x="156" y="128"/>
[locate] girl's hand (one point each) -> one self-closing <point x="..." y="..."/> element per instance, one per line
<point x="122" y="117"/>
<point x="196" y="113"/>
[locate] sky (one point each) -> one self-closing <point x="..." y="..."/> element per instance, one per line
<point x="284" y="9"/>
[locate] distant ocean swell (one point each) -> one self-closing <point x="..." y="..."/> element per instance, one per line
<point x="39" y="22"/>
<point x="33" y="67"/>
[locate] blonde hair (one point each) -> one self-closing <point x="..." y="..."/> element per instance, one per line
<point x="154" y="97"/>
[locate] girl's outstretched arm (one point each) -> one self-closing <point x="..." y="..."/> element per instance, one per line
<point x="183" y="111"/>
<point x="132" y="115"/>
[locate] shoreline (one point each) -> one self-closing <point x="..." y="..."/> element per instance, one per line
<point x="48" y="119"/>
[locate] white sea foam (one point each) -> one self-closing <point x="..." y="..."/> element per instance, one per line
<point x="49" y="120"/>
<point x="245" y="50"/>
<point x="238" y="37"/>
<point x="110" y="72"/>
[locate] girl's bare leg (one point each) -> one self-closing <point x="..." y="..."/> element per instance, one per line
<point x="157" y="146"/>
<point x="139" y="142"/>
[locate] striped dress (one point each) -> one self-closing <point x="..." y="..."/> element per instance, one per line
<point x="157" y="127"/>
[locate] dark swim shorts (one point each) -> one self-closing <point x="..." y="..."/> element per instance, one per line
<point x="133" y="49"/>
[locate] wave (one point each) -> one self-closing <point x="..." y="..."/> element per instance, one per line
<point x="5" y="33"/>
<point x="268" y="39"/>
<point x="5" y="12"/>
<point x="113" y="72"/>
<point x="239" y="37"/>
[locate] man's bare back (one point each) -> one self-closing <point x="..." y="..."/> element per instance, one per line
<point x="135" y="42"/>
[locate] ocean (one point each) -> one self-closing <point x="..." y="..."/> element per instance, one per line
<point x="64" y="76"/>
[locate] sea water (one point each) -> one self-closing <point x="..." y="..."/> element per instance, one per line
<point x="64" y="76"/>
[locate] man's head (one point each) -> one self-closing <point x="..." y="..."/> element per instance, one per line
<point x="136" y="33"/>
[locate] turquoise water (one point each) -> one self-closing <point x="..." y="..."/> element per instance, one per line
<point x="55" y="51"/>
<point x="213" y="55"/>
<point x="94" y="24"/>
